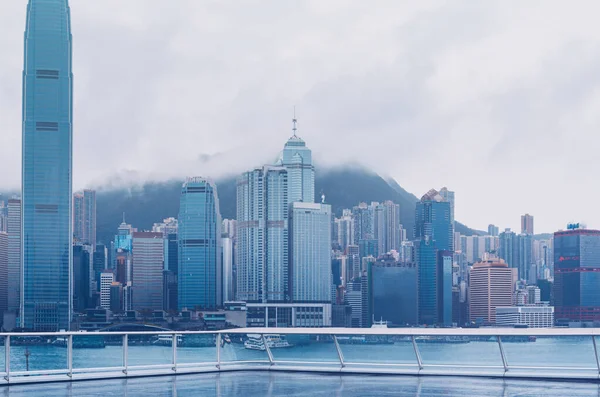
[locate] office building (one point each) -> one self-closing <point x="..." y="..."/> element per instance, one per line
<point x="116" y="297"/>
<point x="353" y="265"/>
<point x="78" y="221"/>
<point x="490" y="286"/>
<point x="576" y="276"/>
<point x="99" y="264"/>
<point x="395" y="292"/>
<point x="81" y="278"/>
<point x="310" y="249"/>
<point x="147" y="271"/>
<point x="84" y="217"/>
<point x="47" y="167"/>
<point x="200" y="276"/>
<point x="262" y="235"/>
<point x="345" y="230"/>
<point x="529" y="316"/>
<point x="297" y="159"/>
<point x="434" y="283"/>
<point x="3" y="272"/>
<point x="527" y="224"/>
<point x="433" y="220"/>
<point x="354" y="299"/>
<point x="106" y="280"/>
<point x="13" y="228"/>
<point x="227" y="260"/>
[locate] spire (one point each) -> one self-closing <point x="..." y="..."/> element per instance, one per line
<point x="294" y="123"/>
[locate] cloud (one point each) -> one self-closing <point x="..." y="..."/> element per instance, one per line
<point x="498" y="100"/>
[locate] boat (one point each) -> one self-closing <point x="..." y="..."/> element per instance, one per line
<point x="274" y="341"/>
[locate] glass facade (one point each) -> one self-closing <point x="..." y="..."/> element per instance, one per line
<point x="311" y="252"/>
<point x="199" y="275"/>
<point x="576" y="276"/>
<point x="297" y="159"/>
<point x="395" y="293"/>
<point x="427" y="282"/>
<point x="433" y="220"/>
<point x="47" y="167"/>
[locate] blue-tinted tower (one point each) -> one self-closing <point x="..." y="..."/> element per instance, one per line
<point x="433" y="219"/>
<point x="46" y="298"/>
<point x="199" y="231"/>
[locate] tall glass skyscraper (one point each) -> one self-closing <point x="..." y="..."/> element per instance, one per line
<point x="199" y="228"/>
<point x="433" y="219"/>
<point x="310" y="273"/>
<point x="297" y="159"/>
<point x="47" y="167"/>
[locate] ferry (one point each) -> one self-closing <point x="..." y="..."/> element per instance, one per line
<point x="274" y="341"/>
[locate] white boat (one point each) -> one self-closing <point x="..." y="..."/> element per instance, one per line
<point x="274" y="341"/>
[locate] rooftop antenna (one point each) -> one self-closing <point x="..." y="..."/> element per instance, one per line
<point x="123" y="216"/>
<point x="294" y="122"/>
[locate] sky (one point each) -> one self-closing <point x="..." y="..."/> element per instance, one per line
<point x="497" y="100"/>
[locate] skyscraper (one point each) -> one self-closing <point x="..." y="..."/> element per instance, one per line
<point x="364" y="220"/>
<point x="310" y="274"/>
<point x="89" y="217"/>
<point x="262" y="235"/>
<point x="576" y="276"/>
<point x="78" y="217"/>
<point x="14" y="254"/>
<point x="81" y="278"/>
<point x="147" y="272"/>
<point x="526" y="224"/>
<point x="200" y="272"/>
<point x="490" y="286"/>
<point x="433" y="219"/>
<point x="297" y="159"/>
<point x="493" y="230"/>
<point x="3" y="272"/>
<point x="47" y="167"/>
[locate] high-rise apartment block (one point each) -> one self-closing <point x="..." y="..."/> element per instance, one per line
<point x="200" y="272"/>
<point x="262" y="235"/>
<point x="526" y="224"/>
<point x="106" y="279"/>
<point x="47" y="167"/>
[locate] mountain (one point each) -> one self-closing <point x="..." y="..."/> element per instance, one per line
<point x="342" y="187"/>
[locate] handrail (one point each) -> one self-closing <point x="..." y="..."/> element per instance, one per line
<point x="415" y="364"/>
<point x="542" y="332"/>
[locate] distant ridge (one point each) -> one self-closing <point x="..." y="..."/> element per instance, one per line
<point x="342" y="187"/>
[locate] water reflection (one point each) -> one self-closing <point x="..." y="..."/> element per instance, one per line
<point x="274" y="384"/>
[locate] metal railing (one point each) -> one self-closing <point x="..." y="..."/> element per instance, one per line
<point x="489" y="352"/>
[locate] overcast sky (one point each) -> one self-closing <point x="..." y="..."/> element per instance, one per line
<point x="498" y="100"/>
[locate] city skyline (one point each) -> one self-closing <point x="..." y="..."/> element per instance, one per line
<point x="482" y="123"/>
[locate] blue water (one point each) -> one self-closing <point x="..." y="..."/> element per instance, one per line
<point x="250" y="384"/>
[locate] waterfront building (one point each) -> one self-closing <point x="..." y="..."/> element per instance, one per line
<point x="530" y="316"/>
<point x="395" y="292"/>
<point x="262" y="235"/>
<point x="433" y="220"/>
<point x="353" y="298"/>
<point x="283" y="315"/>
<point x="227" y="260"/>
<point x="116" y="297"/>
<point x="13" y="228"/>
<point x="47" y="168"/>
<point x="107" y="277"/>
<point x="310" y="248"/>
<point x="147" y="271"/>
<point x="490" y="286"/>
<point x="200" y="267"/>
<point x="527" y="224"/>
<point x="576" y="276"/>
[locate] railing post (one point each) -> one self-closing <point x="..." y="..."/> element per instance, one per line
<point x="339" y="351"/>
<point x="504" y="362"/>
<point x="267" y="349"/>
<point x="596" y="353"/>
<point x="417" y="353"/>
<point x="7" y="357"/>
<point x="174" y="347"/>
<point x="218" y="343"/>
<point x="125" y="353"/>
<point x="70" y="355"/>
